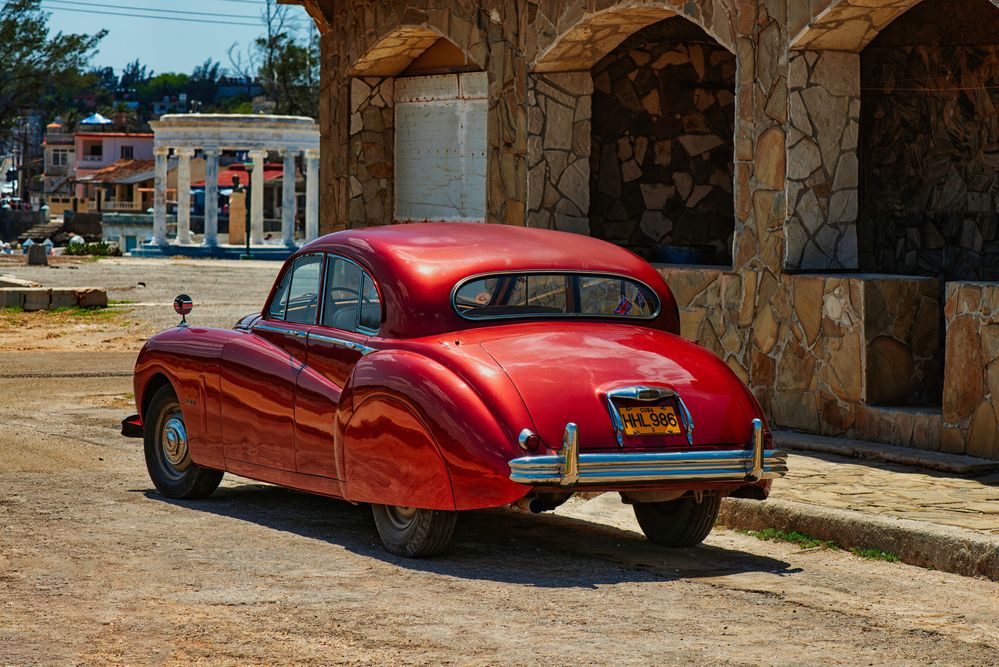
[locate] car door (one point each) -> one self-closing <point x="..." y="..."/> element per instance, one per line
<point x="260" y="370"/>
<point x="351" y="312"/>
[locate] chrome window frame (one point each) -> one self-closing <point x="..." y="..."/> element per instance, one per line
<point x="566" y="272"/>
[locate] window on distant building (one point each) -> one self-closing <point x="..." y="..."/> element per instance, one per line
<point x="60" y="158"/>
<point x="126" y="152"/>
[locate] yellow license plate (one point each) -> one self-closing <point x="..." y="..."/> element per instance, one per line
<point x="658" y="420"/>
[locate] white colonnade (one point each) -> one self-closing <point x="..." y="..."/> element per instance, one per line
<point x="186" y="135"/>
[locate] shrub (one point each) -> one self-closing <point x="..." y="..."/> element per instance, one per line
<point x="95" y="249"/>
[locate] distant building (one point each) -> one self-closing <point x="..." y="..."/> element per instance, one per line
<point x="60" y="166"/>
<point x="97" y="150"/>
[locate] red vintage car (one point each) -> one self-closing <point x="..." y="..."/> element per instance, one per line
<point x="433" y="368"/>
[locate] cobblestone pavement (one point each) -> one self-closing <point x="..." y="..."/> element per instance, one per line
<point x="892" y="490"/>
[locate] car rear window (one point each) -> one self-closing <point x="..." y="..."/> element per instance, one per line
<point x="553" y="294"/>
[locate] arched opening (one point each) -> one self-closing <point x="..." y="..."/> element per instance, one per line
<point x="929" y="143"/>
<point x="662" y="149"/>
<point x="631" y="117"/>
<point x="417" y="131"/>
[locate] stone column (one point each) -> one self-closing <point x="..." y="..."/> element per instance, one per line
<point x="311" y="194"/>
<point x="259" y="159"/>
<point x="184" y="156"/>
<point x="211" y="196"/>
<point x="161" y="154"/>
<point x="288" y="203"/>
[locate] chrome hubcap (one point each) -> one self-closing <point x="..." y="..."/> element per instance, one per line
<point x="401" y="517"/>
<point x="175" y="441"/>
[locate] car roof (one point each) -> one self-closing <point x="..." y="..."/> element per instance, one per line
<point x="417" y="265"/>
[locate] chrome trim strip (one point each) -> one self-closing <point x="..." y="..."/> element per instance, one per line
<point x="570" y="468"/>
<point x="349" y="344"/>
<point x="644" y="393"/>
<point x="298" y="333"/>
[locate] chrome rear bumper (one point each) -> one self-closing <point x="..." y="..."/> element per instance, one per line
<point x="570" y="468"/>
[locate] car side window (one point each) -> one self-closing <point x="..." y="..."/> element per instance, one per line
<point x="343" y="292"/>
<point x="352" y="300"/>
<point x="297" y="298"/>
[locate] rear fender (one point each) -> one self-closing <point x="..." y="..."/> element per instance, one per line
<point x="421" y="436"/>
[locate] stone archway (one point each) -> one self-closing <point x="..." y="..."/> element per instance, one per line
<point x="824" y="88"/>
<point x="656" y="76"/>
<point x="415" y="71"/>
<point x="595" y="34"/>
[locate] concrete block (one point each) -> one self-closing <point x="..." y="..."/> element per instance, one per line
<point x="11" y="281"/>
<point x="63" y="297"/>
<point x="91" y="297"/>
<point x="36" y="298"/>
<point x="11" y="297"/>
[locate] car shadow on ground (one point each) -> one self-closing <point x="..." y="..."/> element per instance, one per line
<point x="502" y="545"/>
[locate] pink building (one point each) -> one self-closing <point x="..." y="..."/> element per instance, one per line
<point x="96" y="150"/>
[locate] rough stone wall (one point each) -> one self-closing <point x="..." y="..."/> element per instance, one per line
<point x="826" y="350"/>
<point x="971" y="382"/>
<point x="661" y="170"/>
<point x="930" y="143"/>
<point x="558" y="146"/>
<point x="824" y="102"/>
<point x="372" y="151"/>
<point x="761" y="320"/>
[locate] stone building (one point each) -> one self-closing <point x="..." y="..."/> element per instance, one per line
<point x="817" y="179"/>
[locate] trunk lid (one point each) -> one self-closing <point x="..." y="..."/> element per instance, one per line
<point x="564" y="375"/>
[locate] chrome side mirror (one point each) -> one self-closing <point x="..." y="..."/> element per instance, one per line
<point x="183" y="305"/>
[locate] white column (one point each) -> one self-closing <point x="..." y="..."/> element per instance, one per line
<point x="311" y="194"/>
<point x="161" y="153"/>
<point x="288" y="203"/>
<point x="184" y="156"/>
<point x="211" y="196"/>
<point x="257" y="197"/>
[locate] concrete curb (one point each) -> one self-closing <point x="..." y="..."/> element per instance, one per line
<point x="918" y="543"/>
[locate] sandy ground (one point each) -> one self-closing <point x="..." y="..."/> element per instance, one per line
<point x="96" y="568"/>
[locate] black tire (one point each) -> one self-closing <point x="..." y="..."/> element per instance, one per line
<point x="412" y="532"/>
<point x="167" y="457"/>
<point x="683" y="522"/>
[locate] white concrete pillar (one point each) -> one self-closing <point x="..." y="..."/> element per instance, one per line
<point x="161" y="154"/>
<point x="288" y="203"/>
<point x="211" y="196"/>
<point x="311" y="194"/>
<point x="184" y="156"/>
<point x="259" y="159"/>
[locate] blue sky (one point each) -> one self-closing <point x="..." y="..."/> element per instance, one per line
<point x="164" y="46"/>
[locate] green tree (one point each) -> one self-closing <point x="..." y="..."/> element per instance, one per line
<point x="285" y="62"/>
<point x="35" y="64"/>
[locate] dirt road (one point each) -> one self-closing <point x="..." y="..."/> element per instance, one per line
<point x="96" y="568"/>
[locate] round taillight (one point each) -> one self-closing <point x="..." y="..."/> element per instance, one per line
<point x="528" y="440"/>
<point x="183" y="305"/>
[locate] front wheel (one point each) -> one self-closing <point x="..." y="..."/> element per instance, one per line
<point x="413" y="532"/>
<point x="167" y="456"/>
<point x="683" y="522"/>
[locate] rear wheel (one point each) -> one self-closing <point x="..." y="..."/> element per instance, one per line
<point x="413" y="532"/>
<point x="683" y="522"/>
<point x="167" y="456"/>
